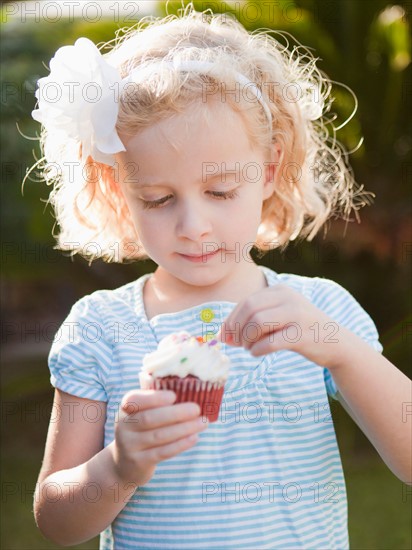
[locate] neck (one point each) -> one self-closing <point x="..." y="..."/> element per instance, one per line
<point x="164" y="293"/>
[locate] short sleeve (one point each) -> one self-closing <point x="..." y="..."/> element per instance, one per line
<point x="343" y="308"/>
<point x="80" y="357"/>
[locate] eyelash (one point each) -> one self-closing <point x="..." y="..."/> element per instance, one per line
<point x="220" y="195"/>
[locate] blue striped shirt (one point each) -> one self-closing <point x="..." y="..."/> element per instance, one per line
<point x="268" y="473"/>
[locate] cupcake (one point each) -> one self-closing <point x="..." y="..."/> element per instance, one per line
<point x="194" y="369"/>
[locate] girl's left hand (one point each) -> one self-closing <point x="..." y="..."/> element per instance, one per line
<point x="279" y="317"/>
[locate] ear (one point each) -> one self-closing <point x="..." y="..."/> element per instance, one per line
<point x="271" y="171"/>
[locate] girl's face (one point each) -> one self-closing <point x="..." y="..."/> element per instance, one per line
<point x="195" y="188"/>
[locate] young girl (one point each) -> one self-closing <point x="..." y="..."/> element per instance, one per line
<point x="190" y="142"/>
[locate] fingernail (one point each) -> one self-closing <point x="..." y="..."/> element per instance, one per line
<point x="226" y="336"/>
<point x="130" y="407"/>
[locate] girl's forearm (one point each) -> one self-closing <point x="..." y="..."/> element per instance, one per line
<point x="380" y="397"/>
<point x="75" y="505"/>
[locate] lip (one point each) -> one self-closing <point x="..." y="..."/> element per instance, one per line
<point x="202" y="258"/>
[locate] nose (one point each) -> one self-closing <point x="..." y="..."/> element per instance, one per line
<point x="193" y="221"/>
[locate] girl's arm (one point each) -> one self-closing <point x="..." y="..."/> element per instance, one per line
<point x="377" y="394"/>
<point x="82" y="486"/>
<point x="75" y="468"/>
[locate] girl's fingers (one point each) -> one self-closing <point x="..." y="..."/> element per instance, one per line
<point x="259" y="325"/>
<point x="244" y="313"/>
<point x="140" y="400"/>
<point x="157" y="454"/>
<point x="167" y="435"/>
<point x="270" y="344"/>
<point x="151" y="419"/>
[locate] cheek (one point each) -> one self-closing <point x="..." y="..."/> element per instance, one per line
<point x="152" y="229"/>
<point x="140" y="220"/>
<point x="250" y="207"/>
<point x="145" y="224"/>
<point x="252" y="215"/>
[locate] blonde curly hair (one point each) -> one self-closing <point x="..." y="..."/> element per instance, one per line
<point x="313" y="178"/>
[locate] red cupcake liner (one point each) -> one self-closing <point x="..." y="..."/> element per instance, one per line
<point x="208" y="395"/>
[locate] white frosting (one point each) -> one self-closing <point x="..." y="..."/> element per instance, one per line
<point x="179" y="354"/>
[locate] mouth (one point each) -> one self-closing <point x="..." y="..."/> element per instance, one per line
<point x="200" y="257"/>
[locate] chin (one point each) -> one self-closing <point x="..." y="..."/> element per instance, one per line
<point x="200" y="277"/>
<point x="201" y="280"/>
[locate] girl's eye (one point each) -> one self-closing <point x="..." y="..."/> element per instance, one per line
<point x="156" y="203"/>
<point x="217" y="194"/>
<point x="225" y="194"/>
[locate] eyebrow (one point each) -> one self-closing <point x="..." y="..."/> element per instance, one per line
<point x="236" y="173"/>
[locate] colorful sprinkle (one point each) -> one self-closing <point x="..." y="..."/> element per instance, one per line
<point x="183" y="359"/>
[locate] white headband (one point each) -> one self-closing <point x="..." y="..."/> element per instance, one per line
<point x="78" y="97"/>
<point x="202" y="67"/>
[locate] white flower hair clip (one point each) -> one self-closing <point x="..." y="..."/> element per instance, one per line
<point x="78" y="98"/>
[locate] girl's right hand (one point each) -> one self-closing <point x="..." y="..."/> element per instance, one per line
<point x="151" y="429"/>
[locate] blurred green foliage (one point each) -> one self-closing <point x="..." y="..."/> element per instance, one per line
<point x="26" y="225"/>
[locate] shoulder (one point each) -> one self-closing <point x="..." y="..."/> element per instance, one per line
<point x="105" y="301"/>
<point x="308" y="286"/>
<point x="316" y="289"/>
